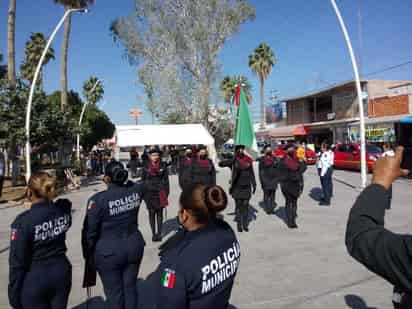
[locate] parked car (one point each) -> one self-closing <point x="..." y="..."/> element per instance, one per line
<point x="348" y="156"/>
<point x="310" y="154"/>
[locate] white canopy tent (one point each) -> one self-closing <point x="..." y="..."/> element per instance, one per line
<point x="179" y="134"/>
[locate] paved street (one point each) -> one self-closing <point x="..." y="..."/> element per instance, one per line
<point x="280" y="268"/>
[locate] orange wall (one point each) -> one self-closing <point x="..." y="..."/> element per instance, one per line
<point x="388" y="106"/>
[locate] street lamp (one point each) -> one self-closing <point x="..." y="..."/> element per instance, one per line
<point x="81" y="118"/>
<point x="359" y="93"/>
<point x="33" y="85"/>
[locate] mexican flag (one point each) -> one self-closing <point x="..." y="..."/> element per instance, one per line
<point x="245" y="134"/>
<point x="168" y="279"/>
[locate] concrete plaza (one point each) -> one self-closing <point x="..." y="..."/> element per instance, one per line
<point x="280" y="268"/>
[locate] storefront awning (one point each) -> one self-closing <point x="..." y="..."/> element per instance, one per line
<point x="285" y="132"/>
<point x="406" y="120"/>
<point x="300" y="130"/>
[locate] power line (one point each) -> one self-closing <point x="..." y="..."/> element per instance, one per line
<point x="389" y="68"/>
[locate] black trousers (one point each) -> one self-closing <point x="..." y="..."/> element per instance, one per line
<point x="269" y="200"/>
<point x="242" y="212"/>
<point x="327" y="185"/>
<point x="291" y="210"/>
<point x="47" y="285"/>
<point x="119" y="278"/>
<point x="156" y="221"/>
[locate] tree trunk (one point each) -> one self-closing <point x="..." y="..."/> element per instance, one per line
<point x="206" y="106"/>
<point x="262" y="104"/>
<point x="11" y="53"/>
<point x="63" y="73"/>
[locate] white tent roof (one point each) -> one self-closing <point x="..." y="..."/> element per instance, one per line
<point x="179" y="134"/>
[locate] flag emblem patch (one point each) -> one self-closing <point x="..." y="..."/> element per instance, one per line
<point x="13" y="234"/>
<point x="91" y="205"/>
<point x="168" y="278"/>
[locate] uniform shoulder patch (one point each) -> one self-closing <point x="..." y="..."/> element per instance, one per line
<point x="168" y="278"/>
<point x="13" y="234"/>
<point x="91" y="204"/>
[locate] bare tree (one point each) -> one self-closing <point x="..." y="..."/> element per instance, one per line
<point x="181" y="40"/>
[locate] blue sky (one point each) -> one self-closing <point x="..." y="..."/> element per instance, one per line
<point x="304" y="35"/>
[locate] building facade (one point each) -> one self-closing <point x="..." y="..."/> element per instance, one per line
<point x="332" y="114"/>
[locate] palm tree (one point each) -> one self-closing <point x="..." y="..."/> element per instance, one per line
<point x="33" y="51"/>
<point x="68" y="4"/>
<point x="228" y="85"/>
<point x="11" y="53"/>
<point x="261" y="62"/>
<point x="98" y="91"/>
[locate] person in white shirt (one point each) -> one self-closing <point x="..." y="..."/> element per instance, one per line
<point x="325" y="168"/>
<point x="388" y="152"/>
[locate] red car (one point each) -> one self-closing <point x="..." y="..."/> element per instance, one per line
<point x="310" y="154"/>
<point x="348" y="156"/>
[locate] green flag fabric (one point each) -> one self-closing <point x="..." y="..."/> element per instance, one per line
<point x="245" y="134"/>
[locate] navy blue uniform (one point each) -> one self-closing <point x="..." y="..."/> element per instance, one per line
<point x="198" y="272"/>
<point x="269" y="179"/>
<point x="291" y="183"/>
<point x="203" y="172"/>
<point x="40" y="273"/>
<point x="113" y="239"/>
<point x="381" y="251"/>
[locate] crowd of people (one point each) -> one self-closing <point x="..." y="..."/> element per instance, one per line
<point x="190" y="274"/>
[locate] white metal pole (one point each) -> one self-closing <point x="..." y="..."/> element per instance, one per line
<point x="33" y="85"/>
<point x="81" y="119"/>
<point x="359" y="93"/>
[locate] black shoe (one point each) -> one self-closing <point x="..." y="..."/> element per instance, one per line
<point x="246" y="229"/>
<point x="154" y="238"/>
<point x="239" y="229"/>
<point x="294" y="226"/>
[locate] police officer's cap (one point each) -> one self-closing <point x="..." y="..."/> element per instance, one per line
<point x="267" y="146"/>
<point x="239" y="147"/>
<point x="117" y="173"/>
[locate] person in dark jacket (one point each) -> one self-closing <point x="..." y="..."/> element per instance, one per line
<point x="203" y="170"/>
<point x="40" y="275"/>
<point x="291" y="183"/>
<point x="192" y="274"/>
<point x="243" y="184"/>
<point x="156" y="181"/>
<point x="383" y="252"/>
<point x="185" y="165"/>
<point x="174" y="156"/>
<point x="112" y="240"/>
<point x="134" y="162"/>
<point x="269" y="178"/>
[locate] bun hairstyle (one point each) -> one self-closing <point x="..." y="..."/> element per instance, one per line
<point x="43" y="186"/>
<point x="117" y="173"/>
<point x="203" y="202"/>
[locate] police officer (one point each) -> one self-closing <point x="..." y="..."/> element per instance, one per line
<point x="112" y="236"/>
<point x="156" y="181"/>
<point x="269" y="178"/>
<point x="185" y="165"/>
<point x="291" y="183"/>
<point x="203" y="170"/>
<point x="325" y="169"/>
<point x="192" y="274"/>
<point x="381" y="251"/>
<point x="243" y="184"/>
<point x="40" y="273"/>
